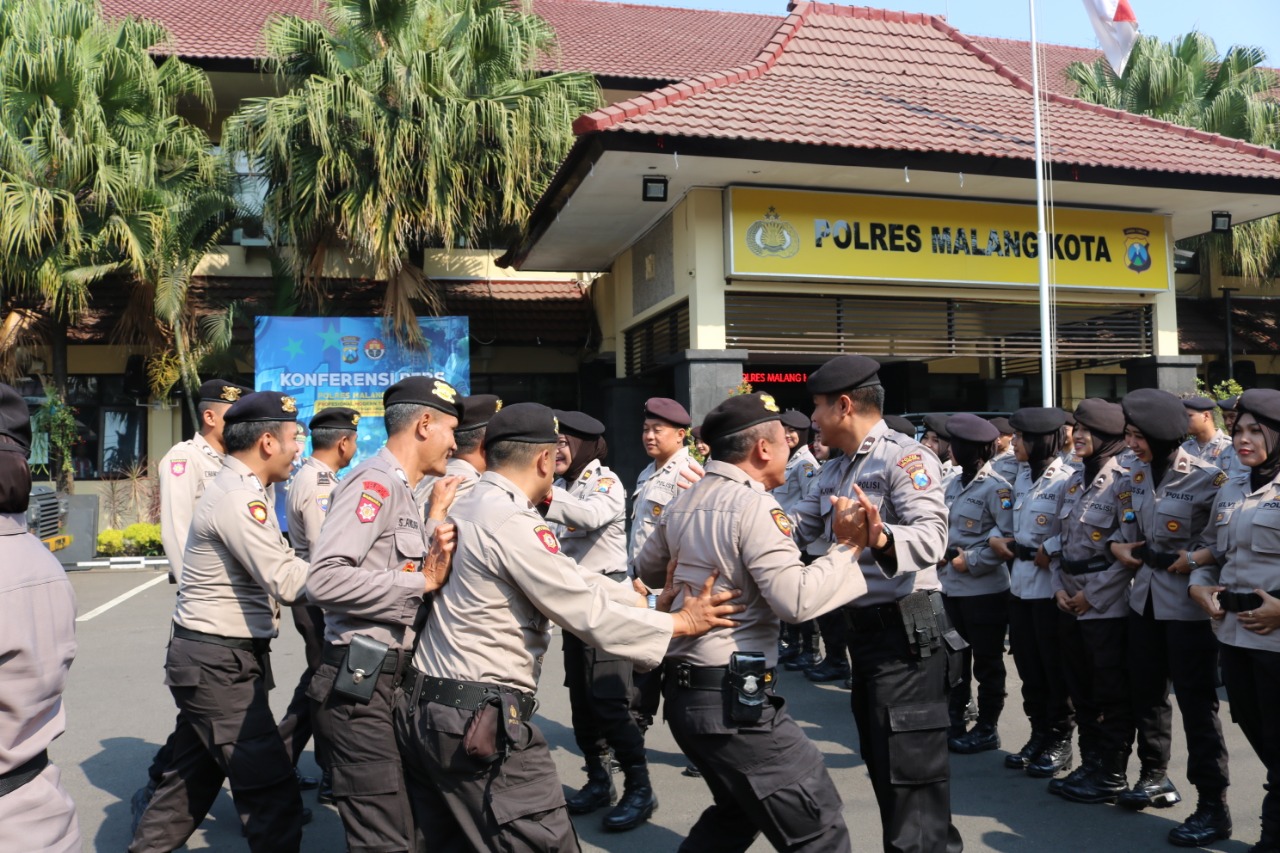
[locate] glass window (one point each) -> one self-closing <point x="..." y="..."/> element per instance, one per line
<point x="112" y="426"/>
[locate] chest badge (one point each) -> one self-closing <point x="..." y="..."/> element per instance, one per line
<point x="547" y="538"/>
<point x="1173" y="526"/>
<point x="1139" y="477"/>
<point x="1042" y="519"/>
<point x="657" y="510"/>
<point x="1096" y="536"/>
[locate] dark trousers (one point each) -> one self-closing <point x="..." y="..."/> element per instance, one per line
<point x="514" y="805"/>
<point x="1184" y="655"/>
<point x="900" y="706"/>
<point x="982" y="620"/>
<point x="225" y="732"/>
<point x="1252" y="677"/>
<point x="764" y="777"/>
<point x="296" y="728"/>
<point x="646" y="696"/>
<point x="835" y="639"/>
<point x="1033" y="639"/>
<point x="368" y="778"/>
<point x="1096" y="664"/>
<point x="599" y="701"/>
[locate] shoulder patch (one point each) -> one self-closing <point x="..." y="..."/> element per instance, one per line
<point x="1006" y="498"/>
<point x="605" y="484"/>
<point x="177" y="467"/>
<point x="909" y="459"/>
<point x="322" y="501"/>
<point x="781" y="519"/>
<point x="258" y="511"/>
<point x="376" y="488"/>
<point x="547" y="538"/>
<point x="809" y="470"/>
<point x="367" y="508"/>
<point x="1220" y="479"/>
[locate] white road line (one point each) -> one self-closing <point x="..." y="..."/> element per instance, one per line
<point x="120" y="599"/>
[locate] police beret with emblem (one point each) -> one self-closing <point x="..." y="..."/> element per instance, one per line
<point x="15" y="420"/>
<point x="477" y="411"/>
<point x="937" y="423"/>
<point x="666" y="409"/>
<point x="795" y="419"/>
<point x="1197" y="403"/>
<point x="1003" y="425"/>
<point x="1262" y="403"/>
<point x="336" y="417"/>
<point x="222" y="391"/>
<point x="738" y="413"/>
<point x="1097" y="415"/>
<point x="1035" y="420"/>
<point x="844" y="373"/>
<point x="1160" y="416"/>
<point x="531" y="423"/>
<point x="967" y="427"/>
<point x="262" y="406"/>
<point x="425" y="391"/>
<point x="1228" y="404"/>
<point x="898" y="423"/>
<point x="579" y="424"/>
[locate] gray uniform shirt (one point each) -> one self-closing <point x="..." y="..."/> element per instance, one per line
<point x="901" y="477"/>
<point x="655" y="488"/>
<point x="183" y="474"/>
<point x="802" y="479"/>
<point x="366" y="567"/>
<point x="1090" y="516"/>
<point x="1219" y="452"/>
<point x="727" y="521"/>
<point x="307" y="503"/>
<point x="1006" y="465"/>
<point x="978" y="511"/>
<point x="237" y="568"/>
<point x="455" y="468"/>
<point x="492" y="621"/>
<point x="1036" y="506"/>
<point x="1247" y="547"/>
<point x="1172" y="517"/>
<point x="589" y="517"/>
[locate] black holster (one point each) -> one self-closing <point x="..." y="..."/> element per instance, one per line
<point x="357" y="675"/>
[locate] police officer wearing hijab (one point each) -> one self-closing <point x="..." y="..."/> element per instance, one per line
<point x="937" y="439"/>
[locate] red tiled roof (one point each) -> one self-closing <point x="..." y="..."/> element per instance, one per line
<point x="855" y="77"/>
<point x="213" y="29"/>
<point x="1054" y="60"/>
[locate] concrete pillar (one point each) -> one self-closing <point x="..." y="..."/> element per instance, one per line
<point x="1173" y="373"/>
<point x="703" y="378"/>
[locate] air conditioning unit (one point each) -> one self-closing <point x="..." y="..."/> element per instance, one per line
<point x="248" y="237"/>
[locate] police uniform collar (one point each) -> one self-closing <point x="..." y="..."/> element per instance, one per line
<point x="318" y="463"/>
<point x="1182" y="461"/>
<point x="517" y="494"/>
<point x="243" y="471"/>
<point x="393" y="463"/>
<point x="877" y="431"/>
<point x="733" y="472"/>
<point x="463" y="463"/>
<point x="13" y="523"/>
<point x="679" y="456"/>
<point x="205" y="447"/>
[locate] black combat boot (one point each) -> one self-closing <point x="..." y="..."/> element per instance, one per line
<point x="1153" y="788"/>
<point x="1104" y="784"/>
<point x="599" y="791"/>
<point x="1030" y="750"/>
<point x="980" y="738"/>
<point x="325" y="794"/>
<point x="1088" y="763"/>
<point x="807" y="657"/>
<point x="1211" y="821"/>
<point x="638" y="801"/>
<point x="831" y="669"/>
<point x="1056" y="757"/>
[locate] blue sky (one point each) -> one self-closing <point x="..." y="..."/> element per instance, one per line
<point x="1228" y="22"/>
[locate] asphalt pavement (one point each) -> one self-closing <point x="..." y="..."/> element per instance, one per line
<point x="119" y="712"/>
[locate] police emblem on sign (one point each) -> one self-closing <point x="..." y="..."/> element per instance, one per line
<point x="350" y="349"/>
<point x="1137" y="249"/>
<point x="772" y="236"/>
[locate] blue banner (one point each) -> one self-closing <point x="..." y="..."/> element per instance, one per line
<point x="350" y="361"/>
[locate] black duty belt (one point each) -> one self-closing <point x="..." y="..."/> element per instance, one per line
<point x="467" y="695"/>
<point x="14" y="779"/>
<point x="1239" y="602"/>
<point x="1085" y="567"/>
<point x="875" y="617"/>
<point x="712" y="677"/>
<point x="257" y="645"/>
<point x="617" y="576"/>
<point x="1025" y="552"/>
<point x="334" y="654"/>
<point x="1156" y="559"/>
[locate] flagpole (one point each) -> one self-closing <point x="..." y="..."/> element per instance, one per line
<point x="1048" y="375"/>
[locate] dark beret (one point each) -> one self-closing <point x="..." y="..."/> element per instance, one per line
<point x="696" y="432"/>
<point x="900" y="424"/>
<point x="1198" y="404"/>
<point x="844" y="373"/>
<point x="1228" y="404"/>
<point x="1071" y="417"/>
<point x="579" y="424"/>
<point x="937" y="423"/>
<point x="967" y="427"/>
<point x="477" y="411"/>
<point x="1003" y="425"/>
<point x="1159" y="415"/>
<point x="738" y="413"/>
<point x="262" y="406"/>
<point x="796" y="419"/>
<point x="1038" y="421"/>
<point x="15" y="418"/>
<point x="425" y="391"/>
<point x="222" y="391"/>
<point x="337" y="417"/>
<point x="1262" y="403"/>
<point x="1097" y="415"/>
<point x="666" y="409"/>
<point x="531" y="423"/>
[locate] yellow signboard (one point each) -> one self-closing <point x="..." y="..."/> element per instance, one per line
<point x="783" y="234"/>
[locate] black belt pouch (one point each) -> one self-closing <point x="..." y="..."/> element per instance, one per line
<point x="358" y="675"/>
<point x="744" y="687"/>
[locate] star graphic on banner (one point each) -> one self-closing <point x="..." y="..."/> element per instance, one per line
<point x="294" y="349"/>
<point x="331" y="338"/>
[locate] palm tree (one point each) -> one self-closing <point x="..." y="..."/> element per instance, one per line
<point x="1187" y="82"/>
<point x="406" y="122"/>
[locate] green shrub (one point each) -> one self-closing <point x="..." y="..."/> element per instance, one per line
<point x="144" y="540"/>
<point x="111" y="543"/>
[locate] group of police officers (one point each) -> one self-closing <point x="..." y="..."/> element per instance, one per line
<point x="1117" y="558"/>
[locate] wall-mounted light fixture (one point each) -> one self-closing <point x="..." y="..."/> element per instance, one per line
<point x="1221" y="221"/>
<point x="654" y="188"/>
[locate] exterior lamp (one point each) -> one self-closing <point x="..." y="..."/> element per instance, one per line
<point x="654" y="188"/>
<point x="1221" y="221"/>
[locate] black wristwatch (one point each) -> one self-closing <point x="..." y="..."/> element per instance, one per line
<point x="888" y="540"/>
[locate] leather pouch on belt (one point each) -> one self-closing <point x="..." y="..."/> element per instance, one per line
<point x="357" y="678"/>
<point x="484" y="738"/>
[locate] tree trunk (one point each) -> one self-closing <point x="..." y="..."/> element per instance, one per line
<point x="62" y="473"/>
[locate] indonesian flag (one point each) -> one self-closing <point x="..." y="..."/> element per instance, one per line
<point x="1117" y="29"/>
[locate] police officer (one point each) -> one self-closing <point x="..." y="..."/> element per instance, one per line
<point x="1170" y="641"/>
<point x="1227" y="406"/>
<point x="975" y="579"/>
<point x="588" y="513"/>
<point x="900" y="424"/>
<point x="1033" y="633"/>
<point x="481" y="773"/>
<point x="333" y="446"/>
<point x="937" y="439"/>
<point x="237" y="571"/>
<point x="370" y="571"/>
<point x="1205" y="440"/>
<point x="1005" y="462"/>
<point x="37" y="645"/>
<point x="466" y="463"/>
<point x="899" y="684"/>
<point x="1236" y="580"/>
<point x="1091" y="589"/>
<point x="720" y="697"/>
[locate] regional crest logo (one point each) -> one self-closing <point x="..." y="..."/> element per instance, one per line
<point x="350" y="349"/>
<point x="1137" y="249"/>
<point x="374" y="349"/>
<point x="772" y="236"/>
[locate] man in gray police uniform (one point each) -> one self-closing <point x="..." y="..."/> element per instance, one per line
<point x="466" y="463"/>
